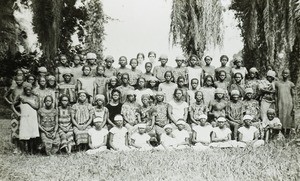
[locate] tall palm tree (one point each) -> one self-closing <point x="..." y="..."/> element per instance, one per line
<point x="196" y="24"/>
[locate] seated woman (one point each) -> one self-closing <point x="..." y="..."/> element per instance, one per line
<point x="201" y="134"/>
<point x="248" y="135"/>
<point x="168" y="141"/>
<point x="221" y="135"/>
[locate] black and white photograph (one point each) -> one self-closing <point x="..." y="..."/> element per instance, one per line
<point x="149" y="90"/>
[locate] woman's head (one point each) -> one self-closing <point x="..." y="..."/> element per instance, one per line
<point x="122" y="61"/>
<point x="100" y="70"/>
<point x="208" y="81"/>
<point x="115" y="94"/>
<point x="194" y="83"/>
<point x="133" y="63"/>
<point x="48" y="100"/>
<point x="178" y="93"/>
<point x="51" y="82"/>
<point x="82" y="96"/>
<point x="221" y="75"/>
<point x="141" y="82"/>
<point x="198" y="96"/>
<point x="238" y="77"/>
<point x="193" y="60"/>
<point x="180" y="81"/>
<point x="131" y="95"/>
<point x="118" y="119"/>
<point x="224" y="59"/>
<point x="64" y="100"/>
<point x="152" y="55"/>
<point x="100" y="100"/>
<point x="148" y="67"/>
<point x="145" y="99"/>
<point x="285" y="73"/>
<point x="168" y="76"/>
<point x="125" y="78"/>
<point x="42" y="81"/>
<point x="86" y="70"/>
<point x="208" y="60"/>
<point x="63" y="59"/>
<point x="113" y="81"/>
<point x="140" y="57"/>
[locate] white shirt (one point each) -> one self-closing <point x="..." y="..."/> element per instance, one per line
<point x="97" y="136"/>
<point x="178" y="109"/>
<point x="248" y="133"/>
<point x="267" y="122"/>
<point x="203" y="133"/>
<point x="168" y="140"/>
<point x="119" y="136"/>
<point x="221" y="133"/>
<point x="180" y="136"/>
<point x="141" y="139"/>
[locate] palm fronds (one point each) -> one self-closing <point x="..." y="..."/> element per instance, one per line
<point x="196" y="24"/>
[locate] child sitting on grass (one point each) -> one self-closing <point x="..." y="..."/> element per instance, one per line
<point x="167" y="140"/>
<point x="48" y="124"/>
<point x="201" y="134"/>
<point x="118" y="136"/>
<point x="248" y="135"/>
<point x="221" y="135"/>
<point x="97" y="138"/>
<point x="141" y="140"/>
<point x="272" y="126"/>
<point x="181" y="135"/>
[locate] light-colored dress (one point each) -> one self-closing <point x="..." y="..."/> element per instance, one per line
<point x="194" y="72"/>
<point x="168" y="90"/>
<point x="285" y="103"/>
<point x="29" y="127"/>
<point x="87" y="84"/>
<point x="208" y="94"/>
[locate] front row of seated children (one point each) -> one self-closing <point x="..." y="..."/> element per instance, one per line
<point x="202" y="137"/>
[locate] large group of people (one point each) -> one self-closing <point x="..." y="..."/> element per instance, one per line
<point x="90" y="105"/>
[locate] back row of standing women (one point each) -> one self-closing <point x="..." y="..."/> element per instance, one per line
<point x="148" y="92"/>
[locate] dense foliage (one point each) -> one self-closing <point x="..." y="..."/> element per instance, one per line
<point x="196" y="24"/>
<point x="270" y="29"/>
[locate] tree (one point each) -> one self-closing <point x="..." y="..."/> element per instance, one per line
<point x="8" y="34"/>
<point x="269" y="29"/>
<point x="196" y="24"/>
<point x="94" y="27"/>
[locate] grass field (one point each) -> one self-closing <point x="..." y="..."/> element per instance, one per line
<point x="271" y="162"/>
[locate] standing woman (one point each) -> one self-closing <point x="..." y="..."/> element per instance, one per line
<point x="29" y="128"/>
<point x="86" y="82"/>
<point x="82" y="116"/>
<point x="285" y="102"/>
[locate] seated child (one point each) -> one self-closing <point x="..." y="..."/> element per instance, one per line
<point x="118" y="136"/>
<point x="248" y="134"/>
<point x="272" y="126"/>
<point x="181" y="135"/>
<point x="141" y="140"/>
<point x="168" y="141"/>
<point x="221" y="135"/>
<point x="202" y="133"/>
<point x="101" y="112"/>
<point x="97" y="138"/>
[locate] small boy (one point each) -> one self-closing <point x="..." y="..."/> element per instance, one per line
<point x="272" y="126"/>
<point x="97" y="138"/>
<point x="141" y="140"/>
